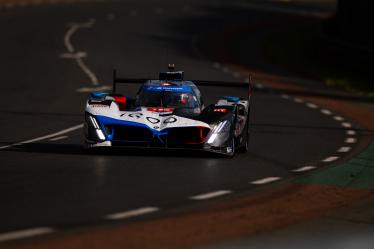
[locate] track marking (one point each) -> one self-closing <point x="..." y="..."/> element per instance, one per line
<point x="351" y="132"/>
<point x="58" y="138"/>
<point x="259" y="86"/>
<point x="338" y="118"/>
<point x="326" y="112"/>
<point x="330" y="159"/>
<point x="67" y="38"/>
<point x="210" y="195"/>
<point x="346" y="125"/>
<point x="311" y="105"/>
<point x="87" y="71"/>
<point x="73" y="55"/>
<point x="266" y="180"/>
<point x="298" y="100"/>
<point x="132" y="213"/>
<point x="285" y="96"/>
<point x="344" y="149"/>
<point x="351" y="140"/>
<point x="74" y="27"/>
<point x="22" y="234"/>
<point x="59" y="133"/>
<point x="303" y="169"/>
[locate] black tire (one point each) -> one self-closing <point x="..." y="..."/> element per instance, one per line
<point x="244" y="147"/>
<point x="232" y="153"/>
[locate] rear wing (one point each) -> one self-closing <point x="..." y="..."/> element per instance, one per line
<point x="248" y="85"/>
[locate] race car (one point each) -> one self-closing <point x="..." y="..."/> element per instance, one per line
<point x="168" y="113"/>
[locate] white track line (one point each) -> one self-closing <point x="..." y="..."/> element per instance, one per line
<point x="298" y="100"/>
<point x="132" y="213"/>
<point x="311" y="105"/>
<point x="74" y="27"/>
<point x="44" y="137"/>
<point x="330" y="159"/>
<point x="351" y="140"/>
<point x="338" y="118"/>
<point x="351" y="132"/>
<point x="285" y="96"/>
<point x="344" y="149"/>
<point x="303" y="169"/>
<point x="210" y="195"/>
<point x="73" y="55"/>
<point x="67" y="38"/>
<point x="22" y="234"/>
<point x="266" y="180"/>
<point x="225" y="70"/>
<point x="58" y="138"/>
<point x="88" y="72"/>
<point x="326" y="112"/>
<point x="346" y="125"/>
<point x="259" y="85"/>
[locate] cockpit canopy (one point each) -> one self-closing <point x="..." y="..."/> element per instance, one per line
<point x="168" y="96"/>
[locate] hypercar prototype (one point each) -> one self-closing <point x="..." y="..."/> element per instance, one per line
<point x="168" y="113"/>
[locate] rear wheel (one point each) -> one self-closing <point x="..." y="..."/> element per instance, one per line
<point x="244" y="147"/>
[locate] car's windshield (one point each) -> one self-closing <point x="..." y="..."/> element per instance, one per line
<point x="167" y="99"/>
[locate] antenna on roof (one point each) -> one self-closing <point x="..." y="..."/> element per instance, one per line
<point x="171" y="67"/>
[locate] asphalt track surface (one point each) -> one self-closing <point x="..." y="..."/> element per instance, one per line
<point x="52" y="182"/>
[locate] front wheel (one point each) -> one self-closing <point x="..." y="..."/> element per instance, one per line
<point x="230" y="149"/>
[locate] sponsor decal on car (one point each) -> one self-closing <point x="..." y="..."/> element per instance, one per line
<point x="99" y="106"/>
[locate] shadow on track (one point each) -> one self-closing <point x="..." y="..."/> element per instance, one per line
<point x="255" y="128"/>
<point x="78" y="149"/>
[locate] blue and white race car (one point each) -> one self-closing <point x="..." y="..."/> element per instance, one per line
<point x="168" y="113"/>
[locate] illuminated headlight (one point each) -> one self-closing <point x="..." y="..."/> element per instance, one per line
<point x="100" y="134"/>
<point x="212" y="138"/>
<point x="220" y="131"/>
<point x="93" y="122"/>
<point x="95" y="128"/>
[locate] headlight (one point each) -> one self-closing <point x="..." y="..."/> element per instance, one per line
<point x="100" y="134"/>
<point x="95" y="128"/>
<point x="221" y="127"/>
<point x="219" y="130"/>
<point x="92" y="121"/>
